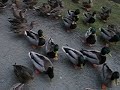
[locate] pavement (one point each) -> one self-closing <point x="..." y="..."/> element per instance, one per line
<point x="15" y="48"/>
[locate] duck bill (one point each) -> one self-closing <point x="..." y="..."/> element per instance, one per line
<point x="110" y="54"/>
<point x="82" y="66"/>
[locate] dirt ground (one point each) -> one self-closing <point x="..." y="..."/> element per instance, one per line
<point x="14" y="49"/>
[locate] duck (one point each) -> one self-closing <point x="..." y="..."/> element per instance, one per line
<point x="108" y="76"/>
<point x="104" y="14"/>
<point x="90" y="36"/>
<point x="21" y="28"/>
<point x="56" y="8"/>
<point x="42" y="64"/>
<point x="37" y="40"/>
<point x="69" y="24"/>
<point x="23" y="73"/>
<point x="17" y="13"/>
<point x="2" y="3"/>
<point x="89" y="17"/>
<point x="52" y="49"/>
<point x="17" y="86"/>
<point x="55" y="3"/>
<point x="30" y="3"/>
<point x="96" y="57"/>
<point x="87" y="5"/>
<point x="17" y="22"/>
<point x="109" y="36"/>
<point x="17" y="3"/>
<point x="75" y="56"/>
<point x="43" y="10"/>
<point x="73" y="14"/>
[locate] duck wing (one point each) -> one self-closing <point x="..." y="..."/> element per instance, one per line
<point x="91" y="56"/>
<point x="88" y="33"/>
<point x="49" y="45"/>
<point x="105" y="33"/>
<point x="17" y="86"/>
<point x="106" y="74"/>
<point x="32" y="37"/>
<point x="72" y="54"/>
<point x="23" y="73"/>
<point x="40" y="62"/>
<point x="67" y="22"/>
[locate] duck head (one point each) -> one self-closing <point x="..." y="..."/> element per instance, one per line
<point x="94" y="13"/>
<point x="77" y="11"/>
<point x="81" y="61"/>
<point x="105" y="50"/>
<point x="56" y="48"/>
<point x="40" y="33"/>
<point x="50" y="72"/>
<point x="115" y="38"/>
<point x="115" y="76"/>
<point x="93" y="31"/>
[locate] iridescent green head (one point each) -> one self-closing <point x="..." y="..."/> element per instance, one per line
<point x="105" y="50"/>
<point x="93" y="30"/>
<point x="40" y="33"/>
<point x="56" y="48"/>
<point x="115" y="75"/>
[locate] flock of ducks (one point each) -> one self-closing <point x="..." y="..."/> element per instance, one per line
<point x="42" y="63"/>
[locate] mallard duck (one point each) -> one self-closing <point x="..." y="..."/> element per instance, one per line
<point x="87" y="5"/>
<point x="89" y="17"/>
<point x="90" y="36"/>
<point x="2" y="3"/>
<point x="69" y="24"/>
<point x="42" y="64"/>
<point x="18" y="14"/>
<point x="16" y="22"/>
<point x="49" y="45"/>
<point x="17" y="3"/>
<point x="44" y="9"/>
<point x="30" y="3"/>
<point x="17" y="86"/>
<point x="96" y="57"/>
<point x="109" y="36"/>
<point x="56" y="3"/>
<point x="52" y="49"/>
<point x="56" y="8"/>
<point x="36" y="39"/>
<point x="76" y="57"/>
<point x="73" y="14"/>
<point x="21" y="28"/>
<point x="108" y="76"/>
<point x="105" y="13"/>
<point x="23" y="73"/>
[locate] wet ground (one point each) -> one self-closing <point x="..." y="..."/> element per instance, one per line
<point x="14" y="49"/>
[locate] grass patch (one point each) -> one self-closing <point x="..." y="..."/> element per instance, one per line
<point x="113" y="19"/>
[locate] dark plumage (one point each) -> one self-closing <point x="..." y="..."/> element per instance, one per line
<point x="23" y="73"/>
<point x="91" y="39"/>
<point x="4" y="1"/>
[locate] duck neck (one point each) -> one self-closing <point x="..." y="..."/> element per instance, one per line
<point x="102" y="54"/>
